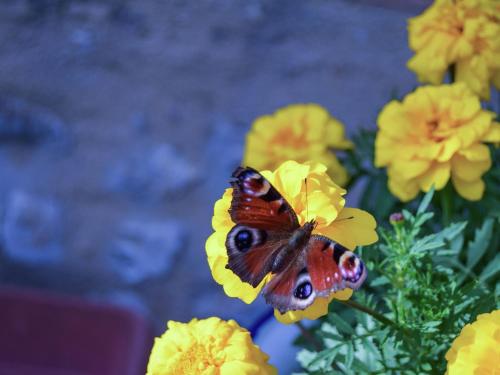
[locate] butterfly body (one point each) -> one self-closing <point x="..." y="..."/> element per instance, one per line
<point x="292" y="249"/>
<point x="267" y="238"/>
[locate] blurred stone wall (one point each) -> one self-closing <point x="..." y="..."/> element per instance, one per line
<point x="121" y="121"/>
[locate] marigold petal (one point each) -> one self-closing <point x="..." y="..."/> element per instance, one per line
<point x="477" y="348"/>
<point x="493" y="133"/>
<point x="474" y="72"/>
<point x="353" y="227"/>
<point x="243" y="368"/>
<point x="405" y="190"/>
<point x="476" y="152"/>
<point x="407" y="170"/>
<point x="301" y="132"/>
<point x="468" y="170"/>
<point x="205" y="346"/>
<point x="438" y="175"/>
<point x="450" y="146"/>
<point x="471" y="190"/>
<point x="335" y="134"/>
<point x="291" y="172"/>
<point x="316" y="310"/>
<point x="217" y="261"/>
<point x="393" y="120"/>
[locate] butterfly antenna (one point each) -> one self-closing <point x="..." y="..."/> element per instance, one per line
<point x="307" y="201"/>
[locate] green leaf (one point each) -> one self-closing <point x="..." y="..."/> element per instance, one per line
<point x="324" y="359"/>
<point x="425" y="201"/>
<point x="452" y="231"/>
<point x="340" y="323"/>
<point x="478" y="246"/>
<point x="349" y="355"/>
<point x="305" y="357"/>
<point x="426" y="243"/>
<point x="491" y="269"/>
<point x="421" y="219"/>
<point x="381" y="280"/>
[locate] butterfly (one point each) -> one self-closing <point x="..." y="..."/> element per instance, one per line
<point x="268" y="238"/>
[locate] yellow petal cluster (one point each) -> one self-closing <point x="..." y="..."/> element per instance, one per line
<point x="299" y="132"/>
<point x="435" y="133"/>
<point x="477" y="349"/>
<point x="326" y="205"/>
<point x="460" y="33"/>
<point x="207" y="347"/>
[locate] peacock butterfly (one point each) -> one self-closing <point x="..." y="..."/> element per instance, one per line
<point x="267" y="238"/>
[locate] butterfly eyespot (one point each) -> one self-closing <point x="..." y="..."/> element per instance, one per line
<point x="303" y="290"/>
<point x="352" y="261"/>
<point x="243" y="240"/>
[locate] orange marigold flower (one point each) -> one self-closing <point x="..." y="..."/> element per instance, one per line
<point x="463" y="33"/>
<point x="207" y="347"/>
<point x="299" y="132"/>
<point x="325" y="204"/>
<point x="434" y="133"/>
<point x="477" y="349"/>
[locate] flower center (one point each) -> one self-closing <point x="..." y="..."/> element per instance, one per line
<point x="291" y="139"/>
<point x="433" y="130"/>
<point x="199" y="358"/>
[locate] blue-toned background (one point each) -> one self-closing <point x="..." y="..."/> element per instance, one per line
<point x="121" y="121"/>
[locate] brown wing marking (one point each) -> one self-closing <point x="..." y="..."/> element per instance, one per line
<point x="290" y="289"/>
<point x="251" y="252"/>
<point x="332" y="267"/>
<point x="321" y="268"/>
<point x="258" y="204"/>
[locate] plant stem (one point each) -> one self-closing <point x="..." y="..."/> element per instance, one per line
<point x="381" y="318"/>
<point x="446" y="204"/>
<point x="309" y="337"/>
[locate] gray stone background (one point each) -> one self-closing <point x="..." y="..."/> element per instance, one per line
<point x="121" y="121"/>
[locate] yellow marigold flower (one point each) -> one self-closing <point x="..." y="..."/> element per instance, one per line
<point x="326" y="205"/>
<point x="477" y="349"/>
<point x="207" y="347"/>
<point x="465" y="33"/>
<point x="300" y="132"/>
<point x="434" y="133"/>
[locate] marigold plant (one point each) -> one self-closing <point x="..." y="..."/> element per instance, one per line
<point x="207" y="347"/>
<point x="434" y="134"/>
<point x="323" y="201"/>
<point x="477" y="349"/>
<point x="464" y="34"/>
<point x="299" y="132"/>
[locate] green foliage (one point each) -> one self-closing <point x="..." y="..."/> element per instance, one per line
<point x="425" y="286"/>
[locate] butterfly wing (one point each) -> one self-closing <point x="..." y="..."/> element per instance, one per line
<point x="264" y="222"/>
<point x="256" y="203"/>
<point x="322" y="267"/>
<point x="290" y="289"/>
<point x="332" y="267"/>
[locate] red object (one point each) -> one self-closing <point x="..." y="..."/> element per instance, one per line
<point x="46" y="334"/>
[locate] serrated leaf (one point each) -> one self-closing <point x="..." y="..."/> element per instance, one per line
<point x="305" y="357"/>
<point x="340" y="323"/>
<point x="425" y="201"/>
<point x="359" y="366"/>
<point x="425" y="245"/>
<point x="452" y="231"/>
<point x="421" y="219"/>
<point x="349" y="355"/>
<point x="381" y="280"/>
<point x="478" y="246"/>
<point x="491" y="269"/>
<point x="457" y="243"/>
<point x="324" y="359"/>
<point x="407" y="215"/>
